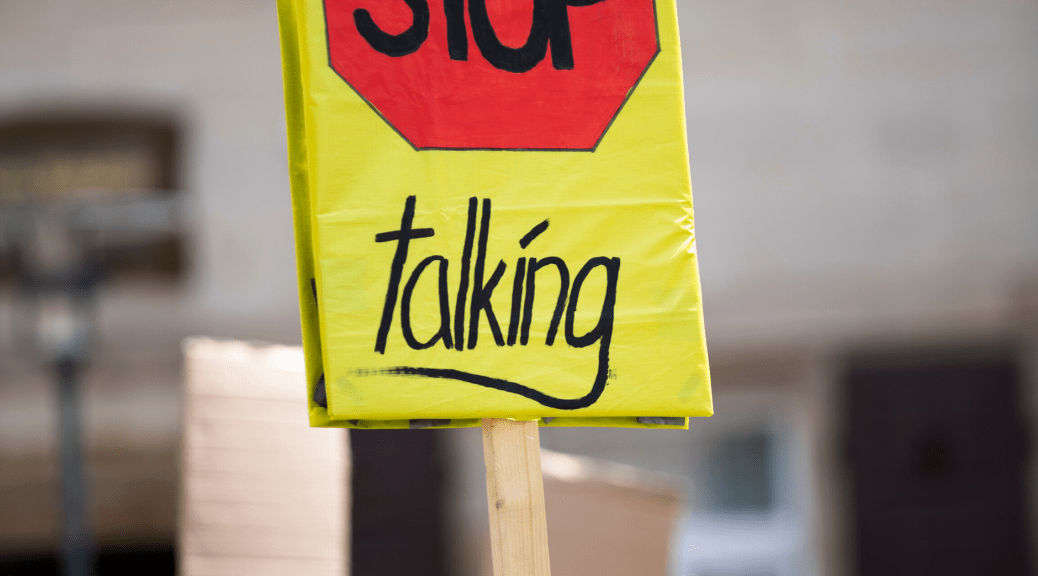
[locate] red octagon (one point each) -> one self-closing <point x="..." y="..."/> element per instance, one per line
<point x="436" y="100"/>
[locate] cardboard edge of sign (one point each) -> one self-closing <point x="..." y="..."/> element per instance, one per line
<point x="319" y="418"/>
<point x="592" y="149"/>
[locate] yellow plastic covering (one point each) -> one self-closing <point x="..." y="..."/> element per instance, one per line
<point x="627" y="345"/>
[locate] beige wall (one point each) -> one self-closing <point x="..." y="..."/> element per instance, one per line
<point x="857" y="167"/>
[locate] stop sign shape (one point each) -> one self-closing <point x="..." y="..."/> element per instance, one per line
<point x="494" y="74"/>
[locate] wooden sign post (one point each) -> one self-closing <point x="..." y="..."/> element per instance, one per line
<point x="515" y="495"/>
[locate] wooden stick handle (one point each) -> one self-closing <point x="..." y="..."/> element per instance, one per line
<point x="515" y="493"/>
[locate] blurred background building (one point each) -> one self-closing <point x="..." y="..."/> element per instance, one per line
<point x="866" y="181"/>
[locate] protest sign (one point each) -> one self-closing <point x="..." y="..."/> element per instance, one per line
<point x="493" y="212"/>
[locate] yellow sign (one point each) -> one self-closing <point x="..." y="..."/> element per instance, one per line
<point x="493" y="212"/>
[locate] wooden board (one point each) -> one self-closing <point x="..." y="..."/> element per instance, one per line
<point x="262" y="492"/>
<point x="607" y="519"/>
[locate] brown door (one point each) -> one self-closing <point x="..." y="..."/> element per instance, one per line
<point x="937" y="454"/>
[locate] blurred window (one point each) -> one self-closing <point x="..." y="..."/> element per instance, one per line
<point x="741" y="475"/>
<point x="114" y="160"/>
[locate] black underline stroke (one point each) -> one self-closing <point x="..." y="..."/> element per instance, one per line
<point x="504" y="385"/>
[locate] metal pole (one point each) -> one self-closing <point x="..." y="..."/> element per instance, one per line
<point x="78" y="554"/>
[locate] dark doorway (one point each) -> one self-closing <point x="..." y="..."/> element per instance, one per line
<point x="154" y="560"/>
<point x="937" y="450"/>
<point x="398" y="518"/>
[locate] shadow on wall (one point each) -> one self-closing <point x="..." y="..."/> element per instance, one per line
<point x="128" y="561"/>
